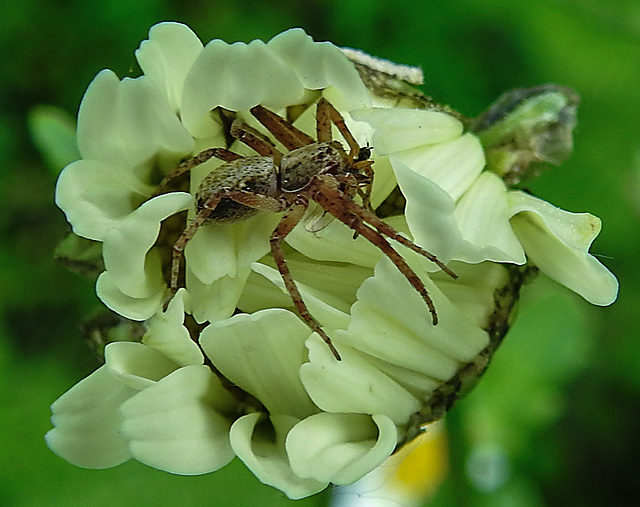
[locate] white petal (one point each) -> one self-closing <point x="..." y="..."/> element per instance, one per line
<point x="454" y="165"/>
<point x="558" y="242"/>
<point x="473" y="292"/>
<point x="340" y="448"/>
<point x="402" y="129"/>
<point x="429" y="211"/>
<point x="177" y="425"/>
<point x="483" y="218"/>
<point x="219" y="250"/>
<point x="334" y="243"/>
<point x="260" y="445"/>
<point x="87" y="423"/>
<point x="236" y="77"/>
<point x="167" y="56"/>
<point x="137" y="365"/>
<point x="391" y="321"/>
<point x="126" y="246"/>
<point x="318" y="301"/>
<point x="131" y="308"/>
<point x="128" y="122"/>
<point x="354" y="384"/>
<point x="262" y="354"/>
<point x="320" y="65"/>
<point x="95" y="196"/>
<point x="217" y="300"/>
<point x="167" y="333"/>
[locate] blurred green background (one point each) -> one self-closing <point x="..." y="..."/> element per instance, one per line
<point x="555" y="420"/>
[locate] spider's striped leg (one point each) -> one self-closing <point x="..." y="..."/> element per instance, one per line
<point x="291" y="218"/>
<point x="290" y="136"/>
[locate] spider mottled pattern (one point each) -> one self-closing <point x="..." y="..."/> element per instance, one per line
<point x="313" y="170"/>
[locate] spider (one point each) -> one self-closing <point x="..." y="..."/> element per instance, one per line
<point x="313" y="170"/>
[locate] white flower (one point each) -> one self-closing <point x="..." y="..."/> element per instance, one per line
<point x="227" y="368"/>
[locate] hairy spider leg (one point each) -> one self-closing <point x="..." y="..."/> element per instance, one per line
<point x="324" y="191"/>
<point x="290" y="136"/>
<point x="194" y="161"/>
<point x="243" y="133"/>
<point x="257" y="201"/>
<point x="325" y="114"/>
<point x="291" y="218"/>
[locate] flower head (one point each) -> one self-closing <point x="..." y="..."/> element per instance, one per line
<point x="226" y="367"/>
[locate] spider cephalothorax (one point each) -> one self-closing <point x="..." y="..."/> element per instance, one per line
<point x="317" y="170"/>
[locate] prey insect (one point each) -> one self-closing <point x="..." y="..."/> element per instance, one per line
<point x="319" y="170"/>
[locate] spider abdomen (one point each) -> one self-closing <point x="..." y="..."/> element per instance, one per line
<point x="255" y="174"/>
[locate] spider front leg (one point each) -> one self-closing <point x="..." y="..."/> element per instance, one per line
<point x="327" y="114"/>
<point x="291" y="218"/>
<point x="325" y="192"/>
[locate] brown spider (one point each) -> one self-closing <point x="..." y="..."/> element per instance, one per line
<point x="320" y="171"/>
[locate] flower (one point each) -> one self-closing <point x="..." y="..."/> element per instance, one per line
<point x="227" y="368"/>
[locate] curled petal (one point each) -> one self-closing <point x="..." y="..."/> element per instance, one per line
<point x="262" y="354"/>
<point x="127" y="245"/>
<point x="217" y="300"/>
<point x="127" y="306"/>
<point x="87" y="424"/>
<point x="177" y="424"/>
<point x="483" y="219"/>
<point x="429" y="212"/>
<point x="402" y="129"/>
<point x="321" y="65"/>
<point x="167" y="333"/>
<point x="96" y="196"/>
<point x="354" y="384"/>
<point x="167" y="56"/>
<point x="128" y="122"/>
<point x="260" y="444"/>
<point x="340" y="448"/>
<point x="454" y="165"/>
<point x="558" y="242"/>
<point x="137" y="365"/>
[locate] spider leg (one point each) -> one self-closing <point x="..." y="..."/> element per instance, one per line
<point x="194" y="161"/>
<point x="291" y="218"/>
<point x="333" y="200"/>
<point x="326" y="113"/>
<point x="290" y="137"/>
<point x="185" y="237"/>
<point x="384" y="228"/>
<point x="244" y="133"/>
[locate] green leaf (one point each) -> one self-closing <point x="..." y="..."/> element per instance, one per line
<point x="54" y="133"/>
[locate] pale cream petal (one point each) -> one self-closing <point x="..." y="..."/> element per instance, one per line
<point x="262" y="354"/>
<point x="259" y="443"/>
<point x="399" y="129"/>
<point x="340" y="448"/>
<point x="483" y="219"/>
<point x="167" y="56"/>
<point x="127" y="306"/>
<point x="167" y="333"/>
<point x="87" y="424"/>
<point x="354" y="384"/>
<point x="454" y="165"/>
<point x="178" y="424"/>
<point x="392" y="322"/>
<point x="137" y="365"/>
<point x="558" y="242"/>
<point x="128" y="122"/>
